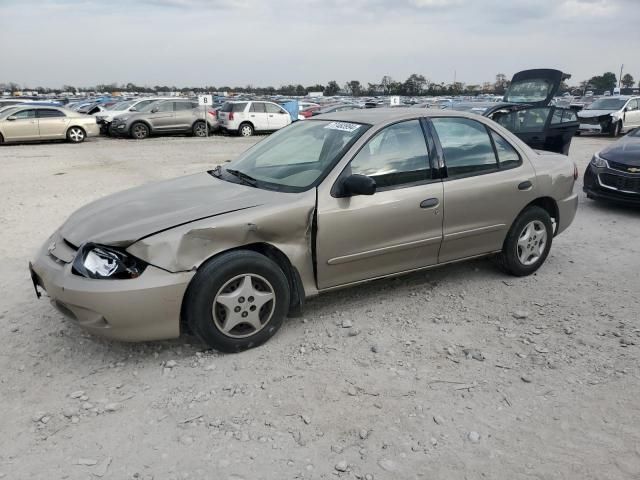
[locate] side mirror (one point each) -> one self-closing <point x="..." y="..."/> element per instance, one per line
<point x="11" y="118"/>
<point x="133" y="109"/>
<point x="358" y="185"/>
<point x="155" y="110"/>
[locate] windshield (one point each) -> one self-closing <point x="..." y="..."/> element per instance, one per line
<point x="119" y="106"/>
<point x="535" y="90"/>
<point x="295" y="157"/>
<point x="5" y="111"/>
<point x="607" y="104"/>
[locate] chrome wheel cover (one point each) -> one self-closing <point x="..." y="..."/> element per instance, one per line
<point x="531" y="243"/>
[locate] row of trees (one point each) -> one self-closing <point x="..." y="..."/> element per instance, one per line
<point x="414" y="85"/>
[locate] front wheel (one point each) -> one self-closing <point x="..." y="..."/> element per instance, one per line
<point x="237" y="301"/>
<point x="139" y="131"/>
<point x="528" y="242"/>
<point x="616" y="129"/>
<point x="76" y="135"/>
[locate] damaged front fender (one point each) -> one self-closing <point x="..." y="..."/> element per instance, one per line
<point x="286" y="226"/>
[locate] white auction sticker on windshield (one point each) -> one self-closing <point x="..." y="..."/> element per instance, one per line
<point x="343" y="126"/>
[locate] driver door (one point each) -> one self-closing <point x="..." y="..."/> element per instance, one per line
<point x="164" y="116"/>
<point x="398" y="228"/>
<point x="21" y="125"/>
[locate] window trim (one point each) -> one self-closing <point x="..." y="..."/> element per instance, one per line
<point x="335" y="188"/>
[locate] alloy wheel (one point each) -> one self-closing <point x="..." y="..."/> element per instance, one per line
<point x="76" y="135"/>
<point x="200" y="130"/>
<point x="140" y="131"/>
<point x="244" y="305"/>
<point x="531" y="242"/>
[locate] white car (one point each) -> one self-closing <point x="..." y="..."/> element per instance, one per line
<point x="246" y="118"/>
<point x="105" y="117"/>
<point x="613" y="115"/>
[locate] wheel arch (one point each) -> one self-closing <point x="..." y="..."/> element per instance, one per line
<point x="247" y="122"/>
<point x="551" y="207"/>
<point x="296" y="288"/>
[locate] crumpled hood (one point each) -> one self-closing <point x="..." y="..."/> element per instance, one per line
<point x="594" y="113"/>
<point x="125" y="217"/>
<point x="625" y="151"/>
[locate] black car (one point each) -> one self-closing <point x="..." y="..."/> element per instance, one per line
<point x="614" y="173"/>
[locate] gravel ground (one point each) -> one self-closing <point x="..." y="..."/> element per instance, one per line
<point x="456" y="373"/>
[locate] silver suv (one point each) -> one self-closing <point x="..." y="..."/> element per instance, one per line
<point x="245" y="118"/>
<point x="165" y="116"/>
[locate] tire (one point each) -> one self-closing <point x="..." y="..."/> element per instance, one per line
<point x="616" y="129"/>
<point x="76" y="135"/>
<point x="523" y="252"/>
<point x="1" y="139"/>
<point x="139" y="131"/>
<point x="215" y="305"/>
<point x="199" y="129"/>
<point x="245" y="130"/>
<point x="578" y="133"/>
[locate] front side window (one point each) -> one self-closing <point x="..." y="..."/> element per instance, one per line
<point x="184" y="106"/>
<point x="466" y="146"/>
<point x="272" y="108"/>
<point x="396" y="155"/>
<point x="164" y="107"/>
<point x="25" y="114"/>
<point x="296" y="157"/>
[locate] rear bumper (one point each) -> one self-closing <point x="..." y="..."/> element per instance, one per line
<point x="144" y="308"/>
<point x="567" y="209"/>
<point x="595" y="187"/>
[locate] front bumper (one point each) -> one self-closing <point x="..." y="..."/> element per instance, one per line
<point x="144" y="308"/>
<point x="595" y="125"/>
<point x="611" y="184"/>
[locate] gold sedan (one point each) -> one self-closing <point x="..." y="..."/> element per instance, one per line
<point x="25" y="123"/>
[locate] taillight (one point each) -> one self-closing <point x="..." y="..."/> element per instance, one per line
<point x="213" y="112"/>
<point x="575" y="172"/>
<point x="230" y="115"/>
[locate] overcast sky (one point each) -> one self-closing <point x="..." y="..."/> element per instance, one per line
<point x="275" y="42"/>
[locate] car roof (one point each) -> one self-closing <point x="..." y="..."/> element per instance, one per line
<point x="377" y="116"/>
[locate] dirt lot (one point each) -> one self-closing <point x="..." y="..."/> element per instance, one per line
<point x="392" y="397"/>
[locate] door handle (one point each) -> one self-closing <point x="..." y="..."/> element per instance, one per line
<point x="429" y="203"/>
<point x="526" y="185"/>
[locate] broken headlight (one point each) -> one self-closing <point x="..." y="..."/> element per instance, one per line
<point x="100" y="262"/>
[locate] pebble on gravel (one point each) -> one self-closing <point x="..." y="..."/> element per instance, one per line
<point x="341" y="466"/>
<point x="520" y="314"/>
<point x="364" y="433"/>
<point x="112" y="407"/>
<point x="438" y="419"/>
<point x="525" y="379"/>
<point x="77" y="394"/>
<point x="87" y="462"/>
<point x="346" y="323"/>
<point x="352" y="391"/>
<point x="171" y="364"/>
<point x="474" y="437"/>
<point x="387" y="464"/>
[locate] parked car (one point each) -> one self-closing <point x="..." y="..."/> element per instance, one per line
<point x="614" y="173"/>
<point x="338" y="107"/>
<point x="246" y="118"/>
<point x="323" y="204"/>
<point x="612" y="115"/>
<point x="26" y="123"/>
<point x="164" y="116"/>
<point x="105" y="117"/>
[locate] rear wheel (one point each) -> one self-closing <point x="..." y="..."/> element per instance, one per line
<point x="139" y="131"/>
<point x="1" y="139"/>
<point x="237" y="301"/>
<point x="76" y="135"/>
<point x="616" y="129"/>
<point x="528" y="242"/>
<point x="246" y="130"/>
<point x="199" y="129"/>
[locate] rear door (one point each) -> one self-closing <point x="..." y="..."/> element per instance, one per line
<point x="52" y="123"/>
<point x="278" y="117"/>
<point x="398" y="228"/>
<point x="632" y="114"/>
<point x="185" y="115"/>
<point x="488" y="182"/>
<point x="22" y="126"/>
<point x="258" y="116"/>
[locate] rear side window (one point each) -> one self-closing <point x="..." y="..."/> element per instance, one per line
<point x="396" y="155"/>
<point x="50" y="113"/>
<point x="507" y="155"/>
<point x="569" y="116"/>
<point x="183" y="106"/>
<point x="466" y="146"/>
<point x="233" y="107"/>
<point x="164" y="107"/>
<point x="257" y="107"/>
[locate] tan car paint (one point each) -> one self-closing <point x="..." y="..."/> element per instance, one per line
<point x="178" y="225"/>
<point x="35" y="129"/>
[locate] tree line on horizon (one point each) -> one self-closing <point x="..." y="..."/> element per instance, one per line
<point x="414" y="85"/>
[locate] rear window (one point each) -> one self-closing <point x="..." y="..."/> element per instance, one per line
<point x="233" y="107"/>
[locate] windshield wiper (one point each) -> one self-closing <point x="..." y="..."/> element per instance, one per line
<point x="247" y="179"/>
